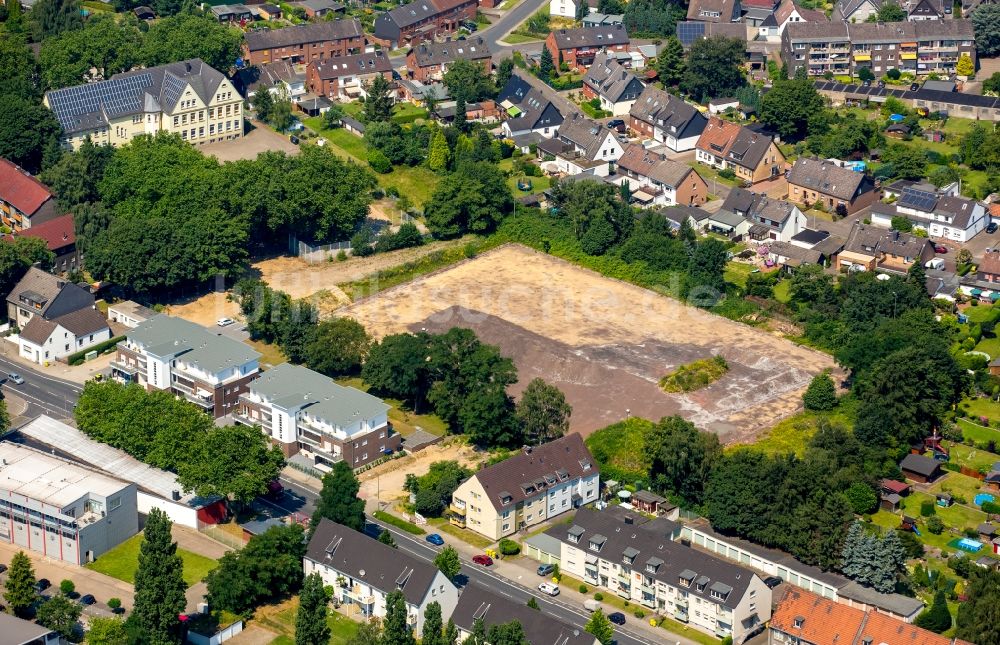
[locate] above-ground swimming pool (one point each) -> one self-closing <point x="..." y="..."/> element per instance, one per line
<point x="983" y="497"/>
<point x="967" y="544"/>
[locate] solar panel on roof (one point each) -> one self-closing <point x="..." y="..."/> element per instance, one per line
<point x="920" y="199"/>
<point x="688" y="32"/>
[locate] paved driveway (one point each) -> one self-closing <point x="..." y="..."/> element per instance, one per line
<point x="258" y="140"/>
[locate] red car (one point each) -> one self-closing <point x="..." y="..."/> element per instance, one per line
<point x="484" y="560"/>
<point x="938" y="248"/>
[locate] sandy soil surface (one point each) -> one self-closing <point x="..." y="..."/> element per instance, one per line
<point x="603" y="342"/>
<point x="385" y="482"/>
<point x="301" y="279"/>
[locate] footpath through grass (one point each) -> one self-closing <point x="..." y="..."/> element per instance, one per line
<point x="122" y="561"/>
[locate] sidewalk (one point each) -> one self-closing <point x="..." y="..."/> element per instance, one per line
<point x="74" y="373"/>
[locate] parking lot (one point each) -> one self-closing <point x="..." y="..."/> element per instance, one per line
<point x="258" y="140"/>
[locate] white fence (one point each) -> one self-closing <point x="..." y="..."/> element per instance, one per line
<point x="219" y="637"/>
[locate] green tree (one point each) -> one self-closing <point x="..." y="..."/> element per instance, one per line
<point x="469" y="81"/>
<point x="546" y="66"/>
<point x="600" y="627"/>
<point x="474" y="198"/>
<point x="98" y="51"/>
<point x="794" y="109"/>
<point x="311" y="627"/>
<point x="338" y="347"/>
<point x="986" y="23"/>
<point x="378" y="101"/>
<point x="533" y="603"/>
<point x="504" y="71"/>
<point x="21" y="74"/>
<point x="397" y="367"/>
<point x="936" y="618"/>
<point x="67" y="587"/>
<point x="705" y="280"/>
<point x="935" y="525"/>
<point x="907" y="162"/>
<point x="263" y="102"/>
<point x="159" y="582"/>
<point x="395" y="626"/>
<point x="53" y="17"/>
<point x="670" y="64"/>
<point x="191" y="35"/>
<point x="20" y="585"/>
<point x="821" y="394"/>
<point x="448" y="563"/>
<point x="267" y="569"/>
<point x="600" y="218"/>
<point x="385" y="537"/>
<point x="106" y="631"/>
<point x="60" y="614"/>
<point x="29" y="133"/>
<point x="339" y="501"/>
<point x="511" y="633"/>
<point x="433" y="632"/>
<point x="965" y="66"/>
<point x="332" y="118"/>
<point x="281" y="114"/>
<point x="681" y="457"/>
<point x="437" y="158"/>
<point x="433" y="490"/>
<point x="714" y="67"/>
<point x="17" y="256"/>
<point x="917" y="275"/>
<point x="978" y="619"/>
<point x="75" y="177"/>
<point x="369" y="632"/>
<point x="890" y="12"/>
<point x="543" y="412"/>
<point x="478" y="635"/>
<point x="866" y="74"/>
<point x="862" y="498"/>
<point x="234" y="461"/>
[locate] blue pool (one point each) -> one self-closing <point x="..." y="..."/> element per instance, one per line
<point x="969" y="544"/>
<point x="983" y="497"/>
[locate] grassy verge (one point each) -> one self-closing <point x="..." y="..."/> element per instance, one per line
<point x="399" y="523"/>
<point x="281" y="619"/>
<point x="783" y="292"/>
<point x="442" y="525"/>
<point x="793" y="434"/>
<point x="695" y="375"/>
<point x="122" y="561"/>
<point x="971" y="457"/>
<point x="621" y="451"/>
<point x="271" y="353"/>
<point x="517" y="39"/>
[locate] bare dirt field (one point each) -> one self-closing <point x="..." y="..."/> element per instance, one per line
<point x="300" y="279"/>
<point x="603" y="342"/>
<point x="385" y="482"/>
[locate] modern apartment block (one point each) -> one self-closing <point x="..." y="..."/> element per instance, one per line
<point x="172" y="354"/>
<point x="363" y="571"/>
<point x="24" y="201"/>
<point x="62" y="510"/>
<point x="305" y="412"/>
<point x="639" y="560"/>
<point x="534" y="485"/>
<point x="842" y="48"/>
<point x="188" y="98"/>
<point x="305" y="43"/>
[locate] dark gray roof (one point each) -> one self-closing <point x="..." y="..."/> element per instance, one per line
<point x="919" y="464"/>
<point x="363" y="558"/>
<point x="679" y="213"/>
<point x="829" y="179"/>
<point x="654" y="538"/>
<point x="591" y="37"/>
<point x="610" y="79"/>
<point x="537" y="110"/>
<point x="797" y="254"/>
<point x="314" y="32"/>
<point x="17" y="630"/>
<point x="668" y="112"/>
<point x="477" y="602"/>
<point x="871" y="32"/>
<point x="690" y="31"/>
<point x="83" y="321"/>
<point x="431" y="53"/>
<point x="740" y="201"/>
<point x="85" y="107"/>
<point x="357" y="65"/>
<point x="872" y="239"/>
<point x="749" y="148"/>
<point x="584" y="133"/>
<point x="892" y="602"/>
<point x="809" y="236"/>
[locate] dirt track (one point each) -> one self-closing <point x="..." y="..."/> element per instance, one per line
<point x="603" y="342"/>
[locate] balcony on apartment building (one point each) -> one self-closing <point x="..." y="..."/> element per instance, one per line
<point x="360" y="596"/>
<point x="245" y="414"/>
<point x="190" y="390"/>
<point x="456" y="513"/>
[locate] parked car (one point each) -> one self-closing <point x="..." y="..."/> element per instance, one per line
<point x="992" y="227"/>
<point x="16" y="378"/>
<point x="617" y="618"/>
<point x="294" y="139"/>
<point x="42" y="585"/>
<point x="616" y="124"/>
<point x="484" y="560"/>
<point x="3" y="568"/>
<point x="435" y="539"/>
<point x="914" y="87"/>
<point x="940" y="248"/>
<point x="274" y="490"/>
<point x="546" y="569"/>
<point x="549" y="589"/>
<point x="224" y="322"/>
<point x="772" y="581"/>
<point x="87" y="599"/>
<point x="881" y="84"/>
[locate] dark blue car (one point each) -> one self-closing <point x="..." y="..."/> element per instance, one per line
<point x="435" y="539"/>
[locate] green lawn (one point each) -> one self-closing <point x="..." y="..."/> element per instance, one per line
<point x="978" y="313"/>
<point x="971" y="457"/>
<point x="989" y="345"/>
<point x="783" y="291"/>
<point x="960" y="485"/>
<point x="342" y="629"/>
<point x="738" y="272"/>
<point x="408" y="113"/>
<point x="468" y="536"/>
<point x="122" y="561"/>
<point x="956" y="515"/>
<point x="977" y="432"/>
<point x="982" y="407"/>
<point x="794" y="433"/>
<point x="517" y="39"/>
<point x="538" y="186"/>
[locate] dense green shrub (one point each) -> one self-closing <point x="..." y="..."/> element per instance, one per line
<point x="100" y="348"/>
<point x="509" y="547"/>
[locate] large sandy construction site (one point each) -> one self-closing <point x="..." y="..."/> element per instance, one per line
<point x="604" y="343"/>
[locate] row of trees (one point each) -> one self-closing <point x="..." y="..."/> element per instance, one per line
<point x="156" y="428"/>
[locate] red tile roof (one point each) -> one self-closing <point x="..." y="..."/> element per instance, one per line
<point x="882" y="628"/>
<point x="58" y="233"/>
<point x="718" y="136"/>
<point x="17" y="187"/>
<point x="895" y="486"/>
<point x="816" y="620"/>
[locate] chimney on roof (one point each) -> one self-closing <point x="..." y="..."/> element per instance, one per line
<point x="187" y="66"/>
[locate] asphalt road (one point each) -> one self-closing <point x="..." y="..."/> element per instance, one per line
<point x="507" y="22"/>
<point x="44" y="394"/>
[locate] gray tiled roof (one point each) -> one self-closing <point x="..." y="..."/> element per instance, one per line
<point x="293" y="386"/>
<point x="164" y="335"/>
<point x="655" y="166"/>
<point x="609" y="78"/>
<point x="919" y="464"/>
<point x="829" y="178"/>
<point x="17" y="630"/>
<point x="37" y="283"/>
<point x="649" y="539"/>
<point x="591" y="37"/>
<point x="315" y="32"/>
<point x="363" y="558"/>
<point x="83" y="321"/>
<point x="431" y="53"/>
<point x="477" y="602"/>
<point x="584" y="133"/>
<point x="356" y="65"/>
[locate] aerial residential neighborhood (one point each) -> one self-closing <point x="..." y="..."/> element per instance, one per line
<point x="500" y="322"/>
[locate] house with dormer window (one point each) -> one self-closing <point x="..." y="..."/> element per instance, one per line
<point x="666" y="118"/>
<point x="536" y="484"/>
<point x="750" y="153"/>
<point x="641" y="561"/>
<point x="942" y="213"/>
<point x="362" y="572"/>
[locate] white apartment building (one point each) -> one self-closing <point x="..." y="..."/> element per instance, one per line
<point x="305" y="412"/>
<point x="943" y="214"/>
<point x="534" y="485"/>
<point x="638" y="559"/>
<point x="188" y="98"/>
<point x="206" y="368"/>
<point x="61" y="510"/>
<point x="363" y="571"/>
